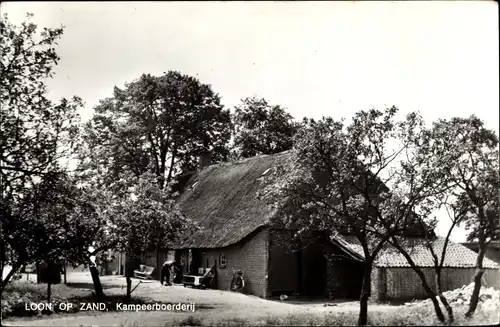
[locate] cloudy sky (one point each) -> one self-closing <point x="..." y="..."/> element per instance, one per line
<point x="314" y="58"/>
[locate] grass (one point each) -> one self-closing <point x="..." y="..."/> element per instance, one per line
<point x="211" y="315"/>
<point x="407" y="316"/>
<point x="17" y="294"/>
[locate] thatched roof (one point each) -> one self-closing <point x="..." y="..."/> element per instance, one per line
<point x="223" y="200"/>
<point x="457" y="255"/>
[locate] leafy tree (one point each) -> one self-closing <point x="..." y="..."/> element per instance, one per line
<point x="467" y="153"/>
<point x="58" y="213"/>
<point x="35" y="133"/>
<point x="457" y="211"/>
<point x="261" y="128"/>
<point x="157" y="124"/>
<point x="135" y="216"/>
<point x="339" y="177"/>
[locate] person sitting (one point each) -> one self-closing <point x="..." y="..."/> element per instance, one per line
<point x="238" y="282"/>
<point x="208" y="278"/>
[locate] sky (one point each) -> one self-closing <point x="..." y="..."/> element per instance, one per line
<point x="313" y="58"/>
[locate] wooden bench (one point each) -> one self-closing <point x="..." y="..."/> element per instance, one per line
<point x="144" y="272"/>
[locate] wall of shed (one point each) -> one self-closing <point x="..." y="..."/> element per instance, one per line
<point x="117" y="263"/>
<point x="313" y="269"/>
<point x="297" y="267"/>
<point x="249" y="256"/>
<point x="157" y="259"/>
<point x="283" y="272"/>
<point x="344" y="277"/>
<point x="404" y="284"/>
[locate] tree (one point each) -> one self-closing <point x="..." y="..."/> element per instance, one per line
<point x="457" y="210"/>
<point x="467" y="153"/>
<point x="350" y="179"/>
<point x="156" y="124"/>
<point x="36" y="134"/>
<point x="58" y="213"/>
<point x="261" y="128"/>
<point x="136" y="216"/>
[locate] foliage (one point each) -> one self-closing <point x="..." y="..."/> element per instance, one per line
<point x="135" y="215"/>
<point x="60" y="214"/>
<point x="36" y="134"/>
<point x="151" y="220"/>
<point x="261" y="128"/>
<point x="467" y="154"/>
<point x="156" y="124"/>
<point x="338" y="180"/>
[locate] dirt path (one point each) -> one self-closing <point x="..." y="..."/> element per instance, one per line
<point x="211" y="306"/>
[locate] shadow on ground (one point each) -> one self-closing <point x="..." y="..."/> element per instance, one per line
<point x="90" y="286"/>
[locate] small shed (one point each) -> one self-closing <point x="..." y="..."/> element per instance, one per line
<point x="394" y="279"/>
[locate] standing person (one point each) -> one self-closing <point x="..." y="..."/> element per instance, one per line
<point x="165" y="272"/>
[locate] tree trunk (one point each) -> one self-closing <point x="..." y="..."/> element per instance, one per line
<point x="7" y="279"/>
<point x="65" y="265"/>
<point x="432" y="295"/>
<point x="37" y="267"/>
<point x="9" y="276"/>
<point x="449" y="309"/>
<point x="97" y="282"/>
<point x="158" y="263"/>
<point x="171" y="169"/>
<point x="129" y="289"/>
<point x="1" y="282"/>
<point x="474" y="299"/>
<point x="365" y="294"/>
<point x="49" y="290"/>
<point x="50" y="268"/>
<point x="478" y="276"/>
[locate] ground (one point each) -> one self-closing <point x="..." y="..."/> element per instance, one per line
<point x="212" y="306"/>
<point x="223" y="308"/>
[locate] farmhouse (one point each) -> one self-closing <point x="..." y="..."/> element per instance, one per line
<point x="236" y="235"/>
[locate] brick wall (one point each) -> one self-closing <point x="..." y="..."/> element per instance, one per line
<point x="250" y="256"/>
<point x="378" y="284"/>
<point x="157" y="259"/>
<point x="404" y="283"/>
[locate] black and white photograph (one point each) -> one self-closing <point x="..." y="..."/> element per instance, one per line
<point x="246" y="163"/>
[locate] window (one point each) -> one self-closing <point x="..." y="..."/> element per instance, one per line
<point x="222" y="261"/>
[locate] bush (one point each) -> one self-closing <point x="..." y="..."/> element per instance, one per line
<point x="13" y="303"/>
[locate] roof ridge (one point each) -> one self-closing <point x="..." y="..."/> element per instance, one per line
<point x="243" y="160"/>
